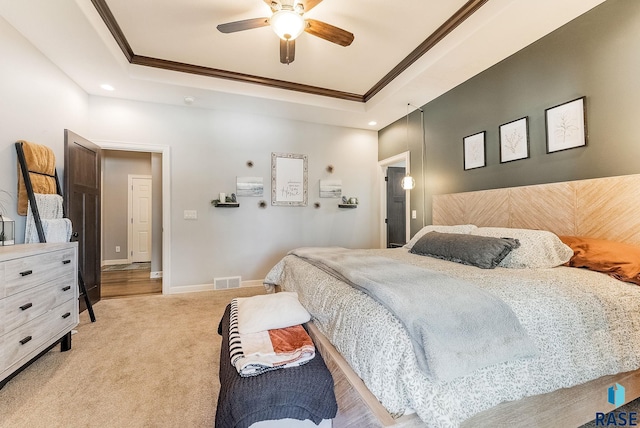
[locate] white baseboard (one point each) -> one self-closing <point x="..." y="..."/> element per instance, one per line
<point x="209" y="287"/>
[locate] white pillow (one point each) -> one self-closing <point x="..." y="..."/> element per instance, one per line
<point x="539" y="249"/>
<point x="459" y="228"/>
<point x="270" y="311"/>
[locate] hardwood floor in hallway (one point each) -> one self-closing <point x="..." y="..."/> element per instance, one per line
<point x="126" y="283"/>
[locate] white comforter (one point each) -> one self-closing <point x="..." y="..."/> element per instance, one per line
<point x="585" y="325"/>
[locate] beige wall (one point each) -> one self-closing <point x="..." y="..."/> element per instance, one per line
<point x="209" y="149"/>
<point x="37" y="102"/>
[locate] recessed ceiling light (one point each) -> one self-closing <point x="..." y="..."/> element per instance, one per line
<point x="373" y="123"/>
<point x="107" y="87"/>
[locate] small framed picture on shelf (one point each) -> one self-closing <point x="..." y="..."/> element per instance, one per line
<point x="330" y="188"/>
<point x="474" y="150"/>
<point x="514" y="140"/>
<point x="249" y="186"/>
<point x="566" y="125"/>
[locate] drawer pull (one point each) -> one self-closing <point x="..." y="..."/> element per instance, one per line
<point x="67" y="315"/>
<point x="67" y="288"/>
<point x="26" y="306"/>
<point x="66" y="262"/>
<point x="26" y="272"/>
<point x="25" y="340"/>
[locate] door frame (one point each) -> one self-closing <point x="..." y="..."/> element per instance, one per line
<point x="166" y="197"/>
<point x="382" y="173"/>
<point x="130" y="178"/>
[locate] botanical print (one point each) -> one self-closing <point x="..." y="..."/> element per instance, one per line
<point x="474" y="156"/>
<point x="514" y="140"/>
<point x="566" y="126"/>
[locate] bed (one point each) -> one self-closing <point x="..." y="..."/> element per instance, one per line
<point x="585" y="325"/>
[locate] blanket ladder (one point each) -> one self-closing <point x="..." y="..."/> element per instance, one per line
<point x="38" y="222"/>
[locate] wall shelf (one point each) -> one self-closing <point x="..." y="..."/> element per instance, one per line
<point x="347" y="205"/>
<point x="226" y="204"/>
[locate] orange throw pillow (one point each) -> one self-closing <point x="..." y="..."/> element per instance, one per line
<point x="616" y="259"/>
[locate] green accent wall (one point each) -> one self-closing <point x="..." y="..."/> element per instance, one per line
<point x="597" y="55"/>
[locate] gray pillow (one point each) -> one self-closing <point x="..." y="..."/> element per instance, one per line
<point x="482" y="251"/>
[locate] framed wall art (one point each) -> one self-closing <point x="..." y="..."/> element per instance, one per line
<point x="566" y="125"/>
<point x="514" y="140"/>
<point x="474" y="150"/>
<point x="330" y="188"/>
<point x="249" y="186"/>
<point x="289" y="179"/>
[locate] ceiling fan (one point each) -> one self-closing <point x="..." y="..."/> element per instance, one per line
<point x="288" y="23"/>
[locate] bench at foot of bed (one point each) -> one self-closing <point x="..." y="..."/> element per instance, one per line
<point x="304" y="394"/>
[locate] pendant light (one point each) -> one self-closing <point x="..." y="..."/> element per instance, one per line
<point x="408" y="182"/>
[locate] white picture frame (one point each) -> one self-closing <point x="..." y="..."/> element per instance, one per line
<point x="289" y="179"/>
<point x="514" y="140"/>
<point x="566" y="125"/>
<point x="474" y="151"/>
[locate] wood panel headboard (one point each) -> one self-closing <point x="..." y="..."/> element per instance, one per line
<point x="604" y="208"/>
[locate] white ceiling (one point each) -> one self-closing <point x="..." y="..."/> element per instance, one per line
<point x="72" y="35"/>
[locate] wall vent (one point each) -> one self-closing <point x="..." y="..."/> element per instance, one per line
<point x="228" y="282"/>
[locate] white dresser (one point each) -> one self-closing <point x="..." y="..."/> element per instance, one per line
<point x="38" y="302"/>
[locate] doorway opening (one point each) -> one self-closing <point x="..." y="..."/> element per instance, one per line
<point x="395" y="203"/>
<point x="138" y="177"/>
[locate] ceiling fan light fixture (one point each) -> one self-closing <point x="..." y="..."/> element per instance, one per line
<point x="287" y="24"/>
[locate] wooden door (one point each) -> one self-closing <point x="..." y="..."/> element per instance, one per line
<point x="396" y="209"/>
<point x="140" y="218"/>
<point x="82" y="160"/>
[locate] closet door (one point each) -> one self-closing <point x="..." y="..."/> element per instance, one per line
<point x="82" y="160"/>
<point x="396" y="211"/>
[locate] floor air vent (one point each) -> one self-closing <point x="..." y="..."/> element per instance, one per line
<point x="228" y="282"/>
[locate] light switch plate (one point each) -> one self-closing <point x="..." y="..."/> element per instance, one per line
<point x="190" y="214"/>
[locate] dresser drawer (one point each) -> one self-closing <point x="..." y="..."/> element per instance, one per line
<point x="26" y="272"/>
<point x="43" y="330"/>
<point x="33" y="302"/>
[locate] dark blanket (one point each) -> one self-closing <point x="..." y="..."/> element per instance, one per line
<point x="304" y="392"/>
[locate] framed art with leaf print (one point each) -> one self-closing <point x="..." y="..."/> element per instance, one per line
<point x="474" y="151"/>
<point x="514" y="140"/>
<point x="566" y="125"/>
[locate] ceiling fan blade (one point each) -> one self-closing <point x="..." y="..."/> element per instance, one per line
<point x="329" y="32"/>
<point x="247" y="24"/>
<point x="287" y="51"/>
<point x="309" y="4"/>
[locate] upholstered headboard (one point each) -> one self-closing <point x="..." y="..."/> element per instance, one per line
<point x="605" y="208"/>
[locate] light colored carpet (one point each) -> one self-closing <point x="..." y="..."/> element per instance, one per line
<point x="148" y="361"/>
